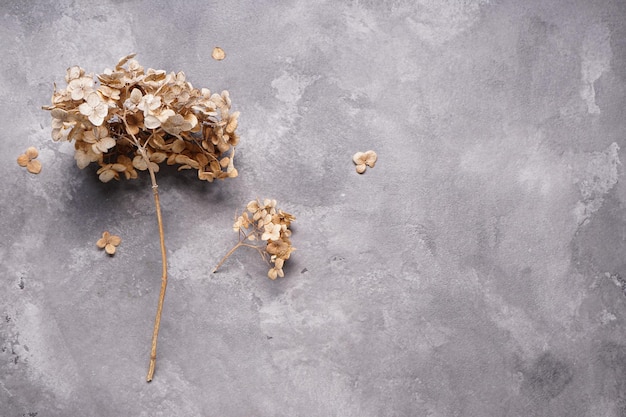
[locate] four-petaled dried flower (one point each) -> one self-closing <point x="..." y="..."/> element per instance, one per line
<point x="218" y="53"/>
<point x="109" y="242"/>
<point x="269" y="230"/>
<point x="94" y="108"/>
<point x="28" y="160"/>
<point x="363" y="160"/>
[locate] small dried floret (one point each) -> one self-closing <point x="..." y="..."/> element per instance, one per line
<point x="28" y="160"/>
<point x="218" y="53"/>
<point x="363" y="160"/>
<point x="94" y="108"/>
<point x="109" y="242"/>
<point x="269" y="230"/>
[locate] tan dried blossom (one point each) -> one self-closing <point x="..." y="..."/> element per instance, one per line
<point x="94" y="108"/>
<point x="99" y="139"/>
<point x="28" y="160"/>
<point x="362" y="160"/>
<point x="267" y="232"/>
<point x="109" y="242"/>
<point x="80" y="88"/>
<point x="218" y="53"/>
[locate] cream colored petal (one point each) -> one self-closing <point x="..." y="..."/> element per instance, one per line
<point x="32" y="152"/>
<point x="23" y="160"/>
<point x="135" y="95"/>
<point x="101" y="243"/>
<point x="95" y="119"/>
<point x="118" y="167"/>
<point x="101" y="110"/>
<point x="358" y="158"/>
<point x="93" y="99"/>
<point x="85" y="109"/>
<point x="107" y="143"/>
<point x="151" y="122"/>
<point x="115" y="240"/>
<point x="107" y="175"/>
<point x="158" y="157"/>
<point x="272" y="274"/>
<point x="360" y="168"/>
<point x="278" y="263"/>
<point x="218" y="53"/>
<point x="34" y="167"/>
<point x="82" y="158"/>
<point x="110" y="249"/>
<point x="370" y="158"/>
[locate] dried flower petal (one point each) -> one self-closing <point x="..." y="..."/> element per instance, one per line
<point x="218" y="53"/>
<point x="364" y="159"/>
<point x="108" y="242"/>
<point x="27" y="160"/>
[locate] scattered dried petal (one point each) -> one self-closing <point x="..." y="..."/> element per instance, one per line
<point x="108" y="242"/>
<point x="27" y="160"/>
<point x="218" y="53"/>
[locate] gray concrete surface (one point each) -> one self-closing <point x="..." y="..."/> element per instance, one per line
<point x="478" y="270"/>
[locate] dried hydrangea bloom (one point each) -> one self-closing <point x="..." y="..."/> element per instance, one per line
<point x="29" y="161"/>
<point x="269" y="230"/>
<point x="363" y="160"/>
<point x="109" y="242"/>
<point x="159" y="111"/>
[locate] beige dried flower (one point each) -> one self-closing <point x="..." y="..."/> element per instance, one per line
<point x="28" y="160"/>
<point x="218" y="53"/>
<point x="109" y="242"/>
<point x="94" y="108"/>
<point x="363" y="160"/>
<point x="268" y="230"/>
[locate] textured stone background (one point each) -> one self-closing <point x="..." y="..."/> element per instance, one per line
<point x="477" y="270"/>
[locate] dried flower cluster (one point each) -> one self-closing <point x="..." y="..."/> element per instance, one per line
<point x="109" y="242"/>
<point x="362" y="160"/>
<point x="129" y="119"/>
<point x="268" y="230"/>
<point x="29" y="160"/>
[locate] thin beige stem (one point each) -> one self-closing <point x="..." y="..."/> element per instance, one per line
<point x="230" y="252"/>
<point x="157" y="320"/>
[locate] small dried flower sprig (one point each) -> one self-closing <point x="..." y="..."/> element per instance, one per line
<point x="109" y="242"/>
<point x="362" y="160"/>
<point x="29" y="160"/>
<point x="264" y="228"/>
<point x="121" y="113"/>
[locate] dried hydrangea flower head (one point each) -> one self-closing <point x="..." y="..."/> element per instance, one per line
<point x="29" y="161"/>
<point x="110" y="116"/>
<point x="264" y="228"/>
<point x="362" y="160"/>
<point x="130" y="119"/>
<point x="109" y="242"/>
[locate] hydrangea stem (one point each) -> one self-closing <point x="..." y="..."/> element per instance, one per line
<point x="230" y="252"/>
<point x="157" y="320"/>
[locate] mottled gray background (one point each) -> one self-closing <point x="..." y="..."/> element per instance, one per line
<point x="478" y="270"/>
